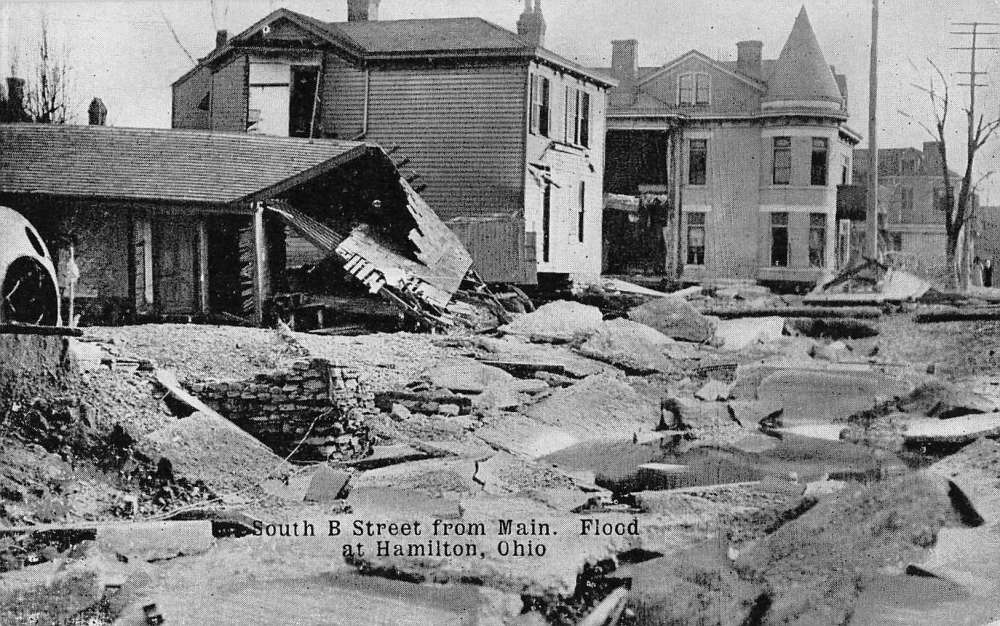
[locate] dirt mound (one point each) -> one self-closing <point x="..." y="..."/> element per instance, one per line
<point x="944" y="400"/>
<point x="210" y="449"/>
<point x="676" y="318"/>
<point x="556" y="322"/>
<point x="816" y="566"/>
<point x="634" y="347"/>
<point x="597" y="407"/>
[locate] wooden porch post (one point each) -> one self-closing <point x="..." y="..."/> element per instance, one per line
<point x="260" y="263"/>
<point x="203" y="304"/>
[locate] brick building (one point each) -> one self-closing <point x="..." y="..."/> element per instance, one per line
<point x="507" y="136"/>
<point x="737" y="161"/>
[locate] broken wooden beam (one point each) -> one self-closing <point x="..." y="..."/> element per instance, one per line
<point x="34" y="329"/>
<point x="958" y="315"/>
<point x="857" y="312"/>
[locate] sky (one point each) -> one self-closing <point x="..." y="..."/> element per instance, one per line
<point x="126" y="52"/>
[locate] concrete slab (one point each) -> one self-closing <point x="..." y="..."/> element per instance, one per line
<point x="738" y="334"/>
<point x="327" y="484"/>
<point x="957" y="430"/>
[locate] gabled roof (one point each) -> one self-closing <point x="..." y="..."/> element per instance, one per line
<point x="801" y="73"/>
<point x="694" y="54"/>
<point x="417" y="39"/>
<point x="161" y="165"/>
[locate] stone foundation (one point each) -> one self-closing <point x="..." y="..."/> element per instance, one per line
<point x="278" y="407"/>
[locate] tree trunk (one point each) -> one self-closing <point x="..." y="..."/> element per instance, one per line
<point x="951" y="260"/>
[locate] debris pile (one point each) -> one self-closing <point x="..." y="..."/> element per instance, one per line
<point x="675" y="318"/>
<point x="556" y="322"/>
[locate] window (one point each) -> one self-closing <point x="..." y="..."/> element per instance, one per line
<point x="703" y="89"/>
<point x="577" y="117"/>
<point x="906" y="204"/>
<point x="845" y="171"/>
<point x="896" y="241"/>
<point x="782" y="174"/>
<point x="694" y="89"/>
<point x="817" y="240"/>
<point x="685" y="89"/>
<point x="697" y="161"/>
<point x="540" y="105"/>
<point x="695" y="238"/>
<point x="779" y="239"/>
<point x="581" y="214"/>
<point x="819" y="160"/>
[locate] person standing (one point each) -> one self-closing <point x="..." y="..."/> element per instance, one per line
<point x="988" y="273"/>
<point x="976" y="276"/>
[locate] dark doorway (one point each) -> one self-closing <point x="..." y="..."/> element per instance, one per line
<point x="302" y="103"/>
<point x="174" y="253"/>
<point x="223" y="265"/>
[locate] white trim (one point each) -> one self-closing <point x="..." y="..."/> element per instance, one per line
<point x="797" y="208"/>
<point x="704" y="59"/>
<point x="696" y="208"/>
<point x="817" y="104"/>
<point x="697" y="134"/>
<point x="809" y="131"/>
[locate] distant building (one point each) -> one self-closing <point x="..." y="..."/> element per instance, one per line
<point x="737" y="162"/>
<point x="507" y="136"/>
<point x="912" y="201"/>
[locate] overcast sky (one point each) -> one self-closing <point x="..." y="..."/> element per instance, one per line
<point x="125" y="53"/>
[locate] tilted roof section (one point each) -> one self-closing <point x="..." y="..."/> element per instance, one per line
<point x="160" y="165"/>
<point x="801" y="73"/>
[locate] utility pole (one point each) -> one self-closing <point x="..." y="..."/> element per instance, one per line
<point x="871" y="230"/>
<point x="965" y="235"/>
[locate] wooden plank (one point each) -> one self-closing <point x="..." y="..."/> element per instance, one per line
<point x="202" y="261"/>
<point x="259" y="263"/>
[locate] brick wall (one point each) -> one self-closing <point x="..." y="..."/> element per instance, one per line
<point x="278" y="407"/>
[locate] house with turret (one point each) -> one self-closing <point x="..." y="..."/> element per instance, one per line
<point x="736" y="163"/>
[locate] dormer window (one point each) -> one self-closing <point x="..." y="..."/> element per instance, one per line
<point x="694" y="88"/>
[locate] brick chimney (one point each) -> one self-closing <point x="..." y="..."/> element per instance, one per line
<point x="362" y="10"/>
<point x="13" y="110"/>
<point x="97" y="112"/>
<point x="221" y="38"/>
<point x="748" y="58"/>
<point x="624" y="65"/>
<point x="531" y="24"/>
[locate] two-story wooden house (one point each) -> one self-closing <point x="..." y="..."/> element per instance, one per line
<point x="743" y="157"/>
<point x="506" y="136"/>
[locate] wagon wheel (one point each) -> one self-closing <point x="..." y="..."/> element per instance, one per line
<point x="27" y="295"/>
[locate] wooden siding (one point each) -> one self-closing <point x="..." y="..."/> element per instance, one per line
<point x="229" y="96"/>
<point x="187" y="95"/>
<point x="729" y="95"/>
<point x="501" y="250"/>
<point x="343" y="107"/>
<point x="462" y="129"/>
<point x="568" y="166"/>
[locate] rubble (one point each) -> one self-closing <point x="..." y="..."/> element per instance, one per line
<point x="212" y="450"/>
<point x="623" y="411"/>
<point x="738" y="334"/>
<point x="633" y="347"/>
<point x="675" y="318"/>
<point x="944" y="400"/>
<point x="556" y="322"/>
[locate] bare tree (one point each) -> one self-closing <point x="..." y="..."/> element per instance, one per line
<point x="957" y="210"/>
<point x="47" y="98"/>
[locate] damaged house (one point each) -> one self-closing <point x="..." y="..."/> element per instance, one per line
<point x="180" y="223"/>
<point x="736" y="163"/>
<point x="504" y="138"/>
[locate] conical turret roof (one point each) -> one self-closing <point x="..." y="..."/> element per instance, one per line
<point x="801" y="73"/>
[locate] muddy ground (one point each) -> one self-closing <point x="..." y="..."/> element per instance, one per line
<point x="744" y="513"/>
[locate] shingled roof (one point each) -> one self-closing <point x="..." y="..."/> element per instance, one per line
<point x="161" y="165"/>
<point x="430" y="35"/>
<point x="801" y="73"/>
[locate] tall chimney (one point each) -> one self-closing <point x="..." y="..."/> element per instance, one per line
<point x="624" y="65"/>
<point x="748" y="58"/>
<point x="15" y="101"/>
<point x="531" y="24"/>
<point x="221" y="38"/>
<point x="97" y="112"/>
<point x="362" y="10"/>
